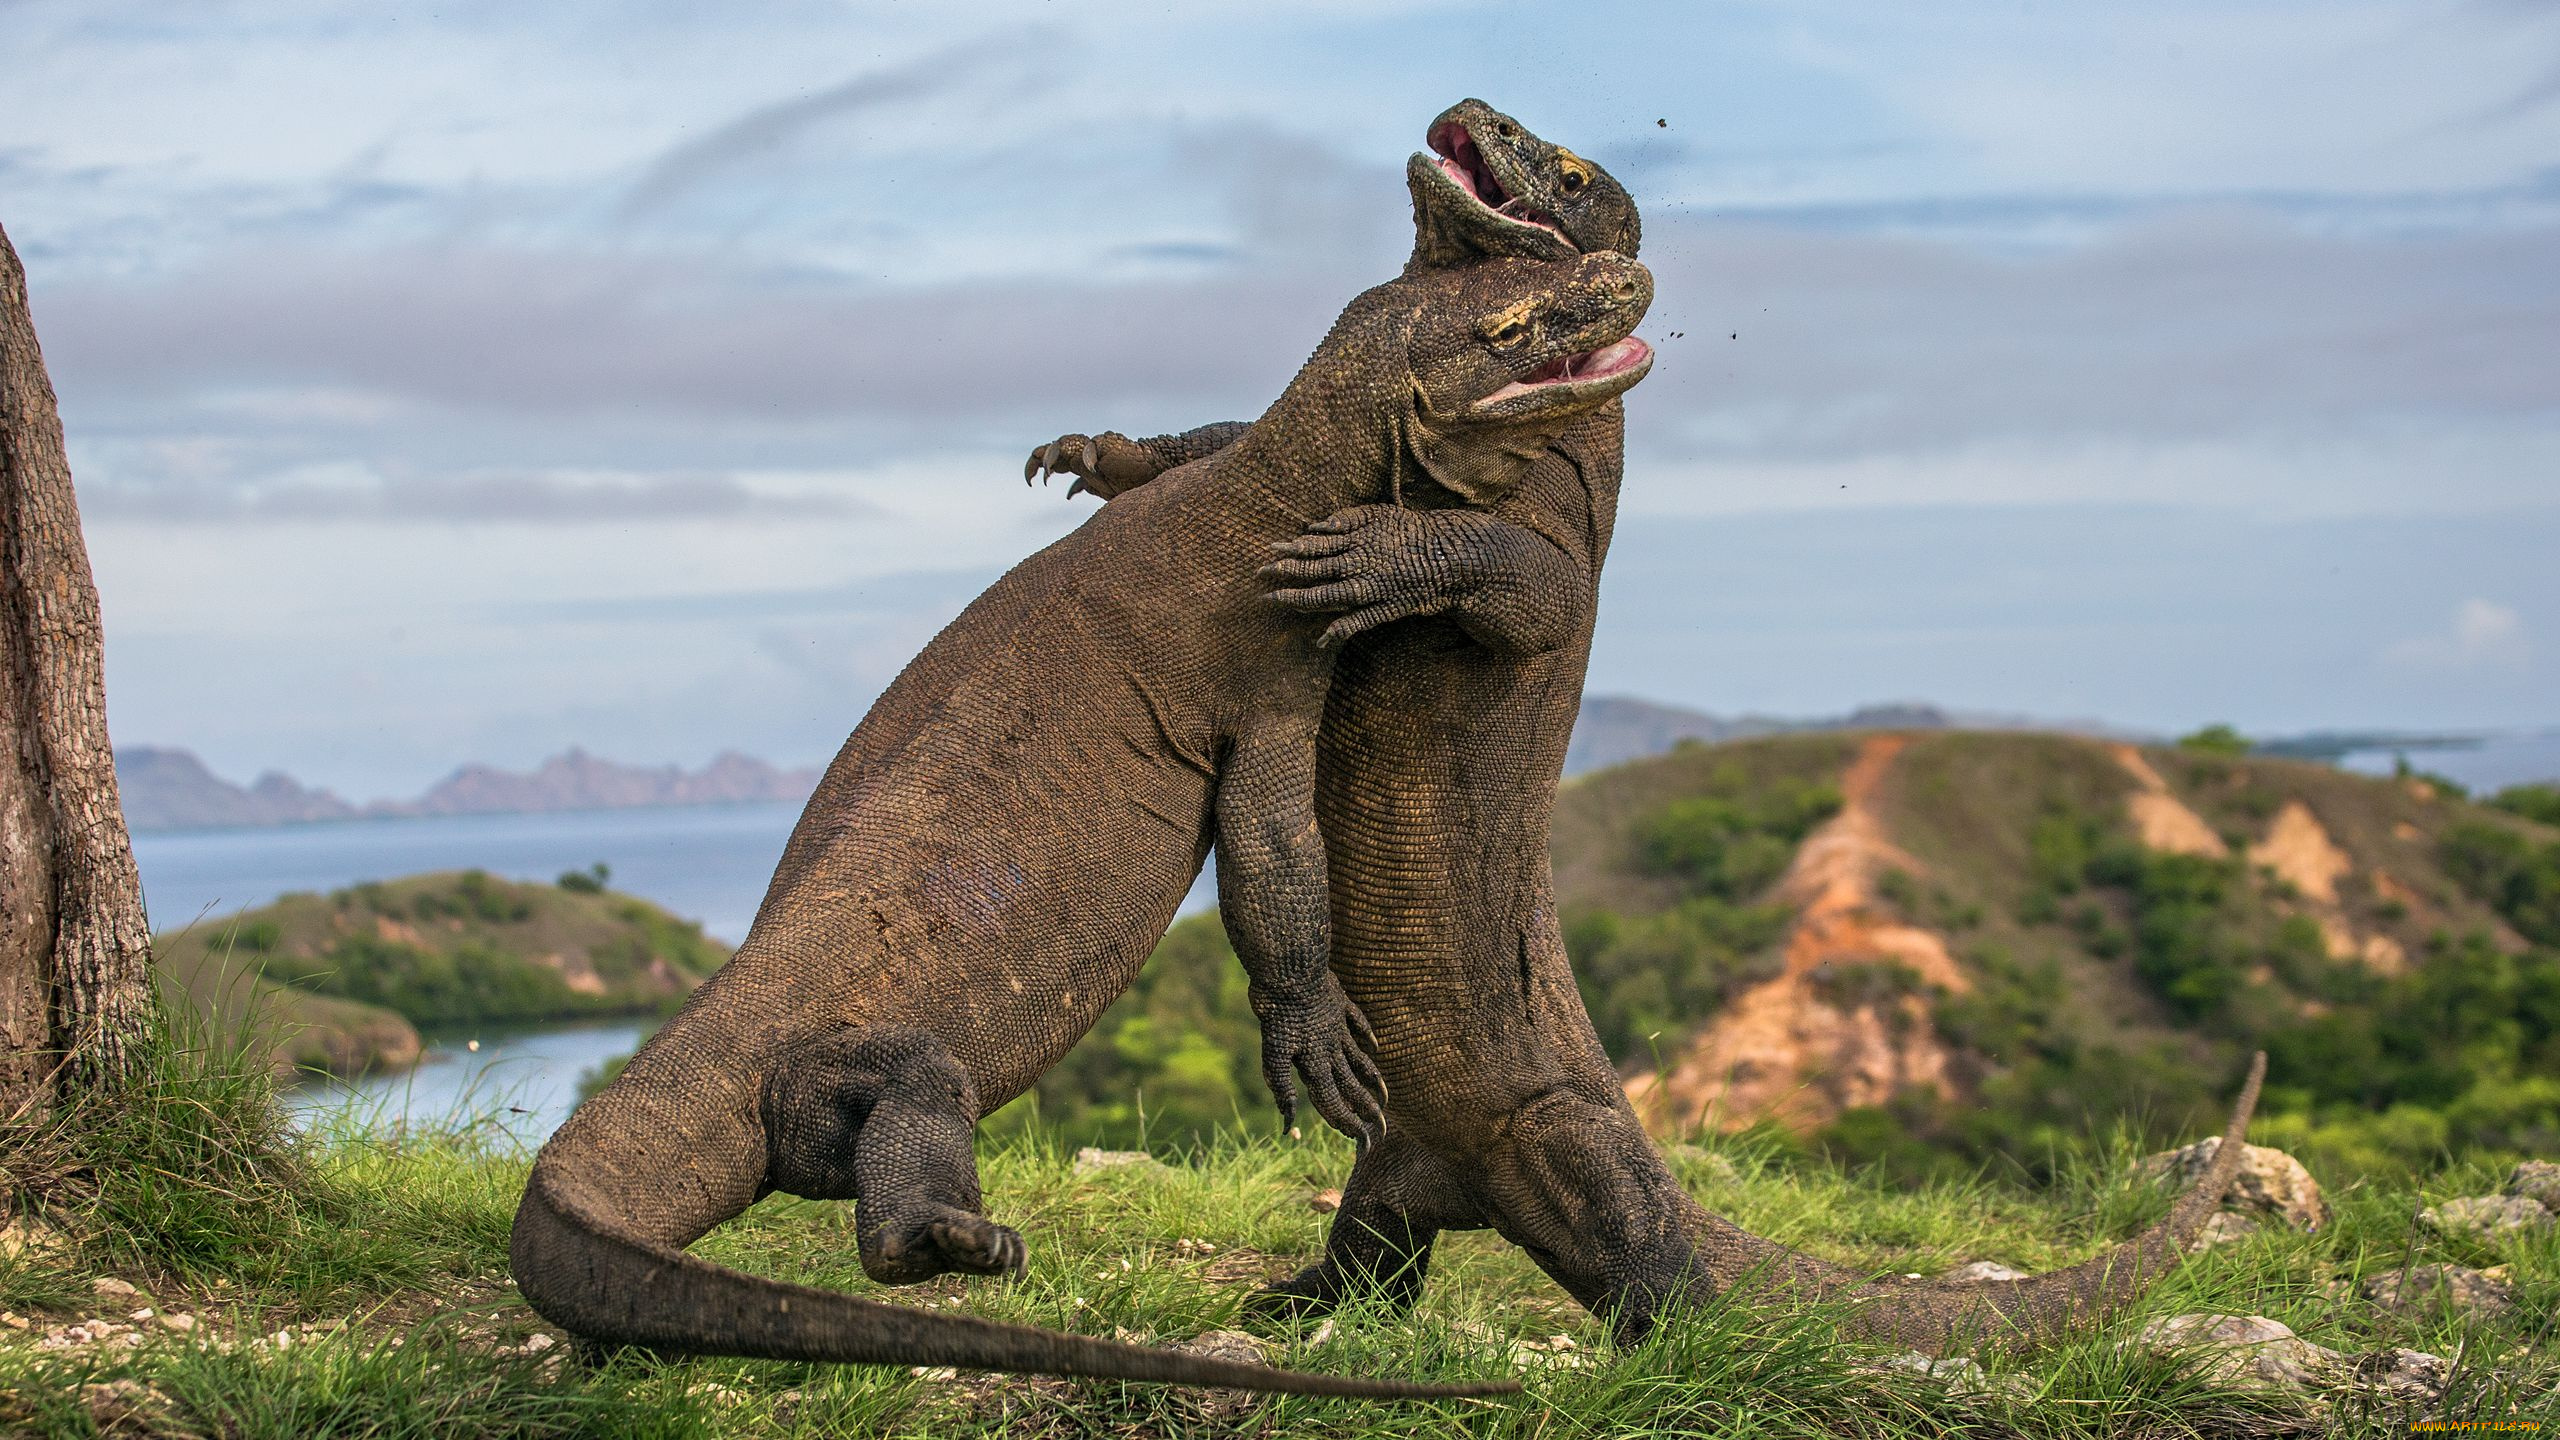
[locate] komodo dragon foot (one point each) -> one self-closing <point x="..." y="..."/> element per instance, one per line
<point x="1372" y="565"/>
<point x="1104" y="464"/>
<point x="881" y="1115"/>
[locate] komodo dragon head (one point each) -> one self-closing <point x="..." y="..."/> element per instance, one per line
<point x="1489" y="187"/>
<point x="1506" y="354"/>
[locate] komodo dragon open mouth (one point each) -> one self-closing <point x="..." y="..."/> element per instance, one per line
<point x="1465" y="166"/>
<point x="1615" y="366"/>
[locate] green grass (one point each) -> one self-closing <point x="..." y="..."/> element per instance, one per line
<point x="386" y="1262"/>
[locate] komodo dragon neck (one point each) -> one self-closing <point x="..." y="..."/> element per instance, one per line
<point x="1339" y="435"/>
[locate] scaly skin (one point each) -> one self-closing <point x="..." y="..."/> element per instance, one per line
<point x="997" y="848"/>
<point x="1437" y="767"/>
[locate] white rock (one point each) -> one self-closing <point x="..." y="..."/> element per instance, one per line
<point x="2402" y="1377"/>
<point x="2224" y="1228"/>
<point x="2242" y="1350"/>
<point x="1093" y="1161"/>
<point x="1976" y="1271"/>
<point x="2486" y="1216"/>
<point x="2270" y="1181"/>
<point x="28" y="1239"/>
<point x="2537" y="1180"/>
<point x="1960" y="1376"/>
<point x="2422" y="1289"/>
<point x="1233" y="1345"/>
<point x="111" y="1287"/>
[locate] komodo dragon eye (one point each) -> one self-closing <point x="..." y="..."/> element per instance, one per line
<point x="1577" y="171"/>
<point x="1510" y="327"/>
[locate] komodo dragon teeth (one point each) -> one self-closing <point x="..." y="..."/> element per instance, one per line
<point x="1437" y="767"/>
<point x="995" y="851"/>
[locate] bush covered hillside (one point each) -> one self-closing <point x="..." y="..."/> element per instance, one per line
<point x="1936" y="950"/>
<point x="1999" y="942"/>
<point x="344" y="981"/>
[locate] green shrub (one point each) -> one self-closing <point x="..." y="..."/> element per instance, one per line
<point x="470" y="983"/>
<point x="590" y="881"/>
<point x="2533" y="802"/>
<point x="1174" y="1060"/>
<point x="1735" y="840"/>
<point x="2515" y="875"/>
<point x="1644" y="976"/>
<point x="474" y="895"/>
<point x="2217" y="740"/>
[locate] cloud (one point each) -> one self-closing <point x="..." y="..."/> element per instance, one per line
<point x="1791" y="343"/>
<point x="2484" y="635"/>
<point x="334" y="493"/>
<point x="764" y="131"/>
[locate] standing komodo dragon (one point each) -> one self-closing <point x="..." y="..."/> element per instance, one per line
<point x="997" y="848"/>
<point x="1442" y="743"/>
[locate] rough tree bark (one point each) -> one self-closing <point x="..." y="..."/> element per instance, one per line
<point x="75" y="953"/>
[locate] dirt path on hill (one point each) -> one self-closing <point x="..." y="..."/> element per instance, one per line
<point x="1782" y="1049"/>
<point x="2163" y="820"/>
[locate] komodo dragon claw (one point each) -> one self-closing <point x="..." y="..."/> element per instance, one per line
<point x="1105" y="464"/>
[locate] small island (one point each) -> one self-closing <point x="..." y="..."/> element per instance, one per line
<point x="343" y="983"/>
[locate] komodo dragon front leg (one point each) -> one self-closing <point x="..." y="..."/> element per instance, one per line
<point x="1506" y="578"/>
<point x="1111" y="463"/>
<point x="1273" y="899"/>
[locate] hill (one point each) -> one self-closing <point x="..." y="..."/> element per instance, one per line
<point x="344" y="982"/>
<point x="1946" y="947"/>
<point x="1969" y="946"/>
<point x="167" y="789"/>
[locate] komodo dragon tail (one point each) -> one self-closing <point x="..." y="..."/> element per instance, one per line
<point x="1938" y="1315"/>
<point x="584" y="1276"/>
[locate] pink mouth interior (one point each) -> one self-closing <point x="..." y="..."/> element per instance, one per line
<point x="1463" y="163"/>
<point x="1598" y="364"/>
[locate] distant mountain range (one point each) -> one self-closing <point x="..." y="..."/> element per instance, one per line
<point x="170" y="789"/>
<point x="167" y="789"/>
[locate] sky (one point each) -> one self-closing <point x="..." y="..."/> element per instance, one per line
<point x="470" y="382"/>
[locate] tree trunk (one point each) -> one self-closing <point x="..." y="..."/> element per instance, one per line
<point x="75" y="953"/>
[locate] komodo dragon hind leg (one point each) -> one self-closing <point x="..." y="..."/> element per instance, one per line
<point x="1578" y="1185"/>
<point x="1399" y="1198"/>
<point x="882" y="1116"/>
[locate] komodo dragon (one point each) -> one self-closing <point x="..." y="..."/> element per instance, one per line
<point x="1442" y="743"/>
<point x="998" y="846"/>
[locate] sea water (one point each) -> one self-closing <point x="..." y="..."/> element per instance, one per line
<point x="708" y="863"/>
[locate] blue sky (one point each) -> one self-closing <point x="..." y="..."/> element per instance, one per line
<point x="466" y="384"/>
